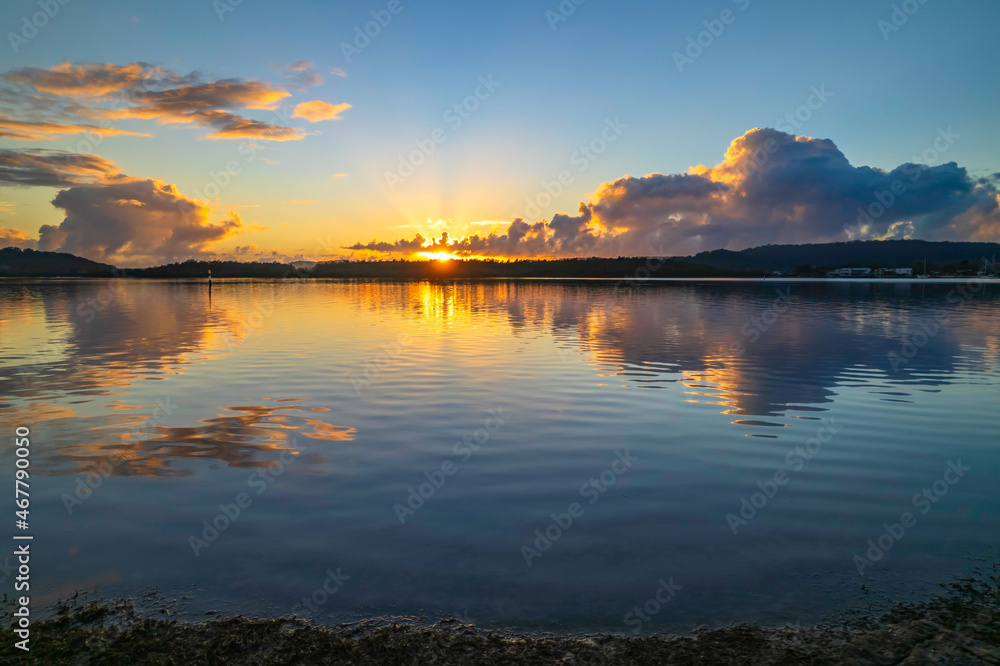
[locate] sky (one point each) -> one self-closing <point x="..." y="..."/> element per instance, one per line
<point x="145" y="132"/>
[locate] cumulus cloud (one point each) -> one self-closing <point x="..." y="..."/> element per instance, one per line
<point x="315" y="111"/>
<point x="111" y="216"/>
<point x="416" y="244"/>
<point x="134" y="219"/>
<point x="771" y="187"/>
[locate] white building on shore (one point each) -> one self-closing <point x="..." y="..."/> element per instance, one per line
<point x="867" y="272"/>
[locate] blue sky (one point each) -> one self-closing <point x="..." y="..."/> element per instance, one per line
<point x="557" y="88"/>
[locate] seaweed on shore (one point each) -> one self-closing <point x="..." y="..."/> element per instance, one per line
<point x="960" y="626"/>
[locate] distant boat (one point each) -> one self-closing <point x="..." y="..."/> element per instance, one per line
<point x="924" y="276"/>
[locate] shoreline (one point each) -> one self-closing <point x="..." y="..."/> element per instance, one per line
<point x="630" y="281"/>
<point x="959" y="626"/>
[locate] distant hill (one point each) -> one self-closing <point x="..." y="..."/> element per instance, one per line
<point x="15" y="262"/>
<point x="888" y="253"/>
<point x="952" y="258"/>
<point x="593" y="267"/>
<point x="620" y="267"/>
<point x="220" y="269"/>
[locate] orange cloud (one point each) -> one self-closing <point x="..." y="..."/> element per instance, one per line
<point x="54" y="168"/>
<point x="111" y="216"/>
<point x="135" y="220"/>
<point x="20" y="130"/>
<point x="230" y="126"/>
<point x="315" y="111"/>
<point x="149" y="93"/>
<point x="771" y="187"/>
<point x="87" y="80"/>
<point x="16" y="237"/>
<point x="217" y="95"/>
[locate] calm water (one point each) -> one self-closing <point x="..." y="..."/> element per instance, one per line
<point x="325" y="403"/>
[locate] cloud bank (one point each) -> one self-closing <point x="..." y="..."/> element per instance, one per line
<point x="771" y="187"/>
<point x="108" y="92"/>
<point x="112" y="216"/>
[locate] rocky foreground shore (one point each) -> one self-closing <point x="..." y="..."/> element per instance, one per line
<point x="961" y="626"/>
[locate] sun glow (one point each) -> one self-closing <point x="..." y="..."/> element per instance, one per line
<point x="438" y="256"/>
